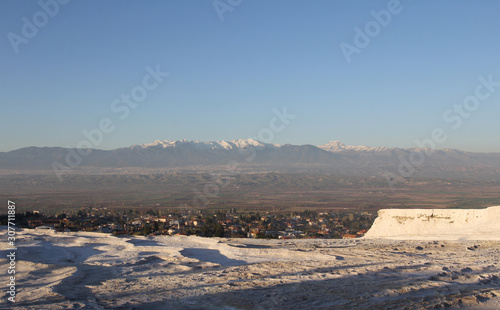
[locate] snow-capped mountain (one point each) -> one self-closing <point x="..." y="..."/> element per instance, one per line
<point x="208" y="145"/>
<point x="337" y="146"/>
<point x="333" y="157"/>
<point x="333" y="146"/>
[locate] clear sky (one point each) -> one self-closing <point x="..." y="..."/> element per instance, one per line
<point x="229" y="69"/>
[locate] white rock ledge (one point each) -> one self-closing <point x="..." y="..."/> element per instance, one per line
<point x="437" y="224"/>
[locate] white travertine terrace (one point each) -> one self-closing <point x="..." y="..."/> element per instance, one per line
<point x="437" y="224"/>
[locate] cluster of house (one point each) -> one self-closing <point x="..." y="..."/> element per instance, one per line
<point x="245" y="225"/>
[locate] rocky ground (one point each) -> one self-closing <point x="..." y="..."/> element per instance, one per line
<point x="99" y="271"/>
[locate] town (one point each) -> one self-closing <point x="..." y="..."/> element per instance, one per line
<point x="205" y="223"/>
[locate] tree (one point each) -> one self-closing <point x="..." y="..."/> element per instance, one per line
<point x="219" y="231"/>
<point x="206" y="231"/>
<point x="146" y="230"/>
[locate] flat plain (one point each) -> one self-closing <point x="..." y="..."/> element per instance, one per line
<point x="264" y="191"/>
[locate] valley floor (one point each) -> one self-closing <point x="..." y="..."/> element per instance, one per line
<point x="98" y="271"/>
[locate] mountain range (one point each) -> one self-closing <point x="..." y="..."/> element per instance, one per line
<point x="334" y="157"/>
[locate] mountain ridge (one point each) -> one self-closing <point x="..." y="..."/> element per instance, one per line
<point x="332" y="157"/>
<point x="334" y="146"/>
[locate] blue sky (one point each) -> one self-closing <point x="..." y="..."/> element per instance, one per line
<point x="226" y="76"/>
